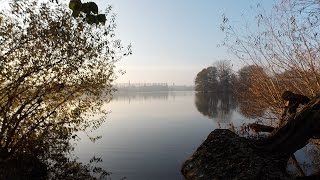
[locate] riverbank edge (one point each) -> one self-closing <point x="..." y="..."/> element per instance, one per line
<point x="225" y="155"/>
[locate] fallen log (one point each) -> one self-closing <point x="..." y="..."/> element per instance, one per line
<point x="299" y="129"/>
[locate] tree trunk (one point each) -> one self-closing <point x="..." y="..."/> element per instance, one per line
<point x="299" y="129"/>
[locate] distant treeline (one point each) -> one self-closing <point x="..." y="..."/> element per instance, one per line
<point x="253" y="86"/>
<point x="150" y="87"/>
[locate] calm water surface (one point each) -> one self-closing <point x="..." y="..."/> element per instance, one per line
<point x="150" y="135"/>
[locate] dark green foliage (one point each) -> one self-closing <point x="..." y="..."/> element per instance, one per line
<point x="75" y="5"/>
<point x="91" y="19"/>
<point x="90" y="9"/>
<point x="75" y="13"/>
<point x="102" y="18"/>
<point x="216" y="79"/>
<point x="207" y="80"/>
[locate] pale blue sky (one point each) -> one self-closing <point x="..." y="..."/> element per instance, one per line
<point x="174" y="39"/>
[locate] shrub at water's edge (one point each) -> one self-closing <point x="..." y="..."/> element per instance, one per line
<point x="55" y="71"/>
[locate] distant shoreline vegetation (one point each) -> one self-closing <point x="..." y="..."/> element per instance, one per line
<point x="150" y="87"/>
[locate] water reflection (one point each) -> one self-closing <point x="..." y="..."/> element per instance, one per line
<point x="51" y="161"/>
<point x="146" y="96"/>
<point x="216" y="106"/>
<point x="140" y="96"/>
<point x="150" y="137"/>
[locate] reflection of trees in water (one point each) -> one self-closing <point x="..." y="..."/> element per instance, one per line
<point x="49" y="158"/>
<point x="163" y="95"/>
<point x="48" y="84"/>
<point x="206" y="104"/>
<point x="143" y="96"/>
<point x="216" y="106"/>
<point x="151" y="95"/>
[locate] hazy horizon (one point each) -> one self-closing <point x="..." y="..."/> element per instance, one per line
<point x="173" y="40"/>
<point x="150" y="83"/>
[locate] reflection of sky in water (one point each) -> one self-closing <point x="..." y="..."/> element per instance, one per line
<point x="150" y="135"/>
<point x="148" y="138"/>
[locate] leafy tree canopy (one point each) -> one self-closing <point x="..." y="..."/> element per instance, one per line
<point x="216" y="79"/>
<point x="90" y="9"/>
<point x="55" y="71"/>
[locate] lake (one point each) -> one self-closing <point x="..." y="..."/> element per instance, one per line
<point x="150" y="135"/>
